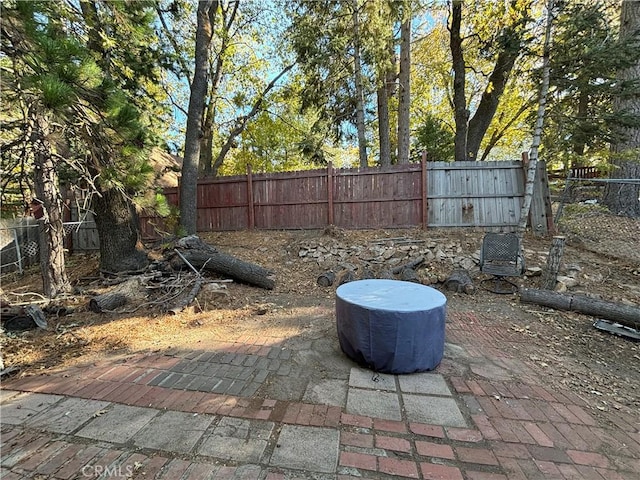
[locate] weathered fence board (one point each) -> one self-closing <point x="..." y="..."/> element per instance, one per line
<point x="474" y="194"/>
<point x="431" y="194"/>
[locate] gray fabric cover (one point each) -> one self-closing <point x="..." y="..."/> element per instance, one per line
<point x="391" y="326"/>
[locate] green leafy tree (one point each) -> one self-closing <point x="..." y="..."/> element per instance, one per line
<point x="585" y="60"/>
<point x="500" y="43"/>
<point x="321" y="38"/>
<point x="435" y="138"/>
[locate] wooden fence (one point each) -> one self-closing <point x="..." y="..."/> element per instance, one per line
<point x="427" y="194"/>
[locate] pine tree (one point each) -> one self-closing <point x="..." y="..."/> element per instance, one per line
<point x="623" y="197"/>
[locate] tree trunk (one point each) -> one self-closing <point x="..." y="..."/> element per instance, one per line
<point x="622" y="314"/>
<point x="189" y="179"/>
<point x="54" y="274"/>
<point x="404" y="134"/>
<point x="383" y="125"/>
<point x="470" y="132"/>
<point x="624" y="198"/>
<point x="579" y="138"/>
<point x="479" y="123"/>
<point x="461" y="114"/>
<point x="118" y="226"/>
<point x="208" y="165"/>
<point x="201" y="255"/>
<point x="537" y="134"/>
<point x="357" y="73"/>
<point x="206" y="145"/>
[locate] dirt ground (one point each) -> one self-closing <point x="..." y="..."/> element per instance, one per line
<point x="563" y="344"/>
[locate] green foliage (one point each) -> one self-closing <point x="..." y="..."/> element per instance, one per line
<point x="488" y="27"/>
<point x="277" y="141"/>
<point x="585" y="59"/>
<point x="434" y="137"/>
<point x="56" y="94"/>
<point x="95" y="92"/>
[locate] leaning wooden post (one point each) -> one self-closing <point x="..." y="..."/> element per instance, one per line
<point x="553" y="263"/>
<point x="251" y="212"/>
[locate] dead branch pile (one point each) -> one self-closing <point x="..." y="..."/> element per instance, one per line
<point x="173" y="283"/>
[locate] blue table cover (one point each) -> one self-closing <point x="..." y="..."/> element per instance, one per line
<point x="391" y="326"/>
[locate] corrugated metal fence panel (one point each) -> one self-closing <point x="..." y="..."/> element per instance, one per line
<point x="291" y="200"/>
<point x="378" y="198"/>
<point x="474" y="194"/>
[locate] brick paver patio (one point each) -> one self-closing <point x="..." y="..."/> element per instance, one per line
<point x="202" y="414"/>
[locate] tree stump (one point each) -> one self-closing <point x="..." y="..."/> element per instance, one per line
<point x="550" y="274"/>
<point x="459" y="281"/>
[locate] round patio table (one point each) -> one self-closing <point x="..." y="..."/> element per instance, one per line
<point x="391" y="326"/>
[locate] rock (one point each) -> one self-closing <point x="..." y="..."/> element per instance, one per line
<point x="533" y="272"/>
<point x="573" y="270"/>
<point x="388" y="254"/>
<point x="440" y="255"/>
<point x="570" y="282"/>
<point x="467" y="263"/>
<point x="560" y="287"/>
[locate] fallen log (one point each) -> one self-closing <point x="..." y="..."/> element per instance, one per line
<point x="459" y="281"/>
<point x="204" y="256"/>
<point x="22" y="317"/>
<point x="623" y="314"/>
<point x="119" y="296"/>
<point x="326" y="279"/>
<point x="107" y="302"/>
<point x="410" y="265"/>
